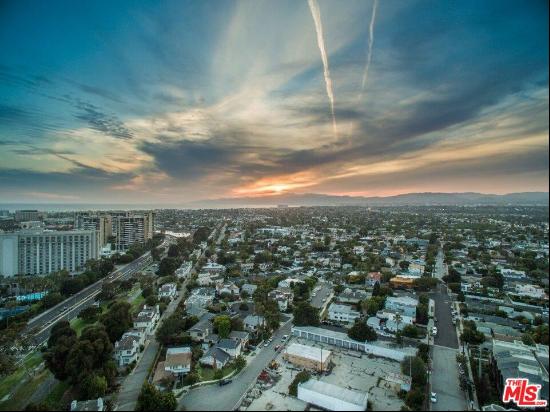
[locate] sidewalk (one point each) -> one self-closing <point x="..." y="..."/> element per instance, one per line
<point x="466" y="353"/>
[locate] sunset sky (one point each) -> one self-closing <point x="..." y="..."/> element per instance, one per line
<point x="177" y="101"/>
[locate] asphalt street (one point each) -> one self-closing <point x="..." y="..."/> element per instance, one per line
<point x="214" y="397"/>
<point x="320" y="297"/>
<point x="445" y="381"/>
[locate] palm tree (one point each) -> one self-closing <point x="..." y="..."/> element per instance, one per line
<point x="398" y="319"/>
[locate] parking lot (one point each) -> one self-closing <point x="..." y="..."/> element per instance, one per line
<point x="353" y="370"/>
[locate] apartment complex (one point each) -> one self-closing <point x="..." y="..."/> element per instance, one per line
<point x="131" y="228"/>
<point x="102" y="223"/>
<point x="26" y="215"/>
<point x="39" y="252"/>
<point x="126" y="228"/>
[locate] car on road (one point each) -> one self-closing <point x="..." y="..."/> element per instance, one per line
<point x="433" y="397"/>
<point x="224" y="382"/>
<point x="434" y="331"/>
<point x="285" y="337"/>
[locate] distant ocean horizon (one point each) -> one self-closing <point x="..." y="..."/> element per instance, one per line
<point x="69" y="207"/>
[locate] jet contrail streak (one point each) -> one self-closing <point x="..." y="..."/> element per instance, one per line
<point x="369" y="54"/>
<point x="371" y="41"/>
<point x="316" y="14"/>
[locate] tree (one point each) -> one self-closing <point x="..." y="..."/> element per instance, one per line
<point x="91" y="353"/>
<point x="170" y="329"/>
<point x="151" y="399"/>
<point x="61" y="342"/>
<point x="415" y="399"/>
<point x="90" y="314"/>
<point x="305" y="315"/>
<point x="361" y="332"/>
<point x="423" y="352"/>
<point x="301" y="377"/>
<point x="376" y="289"/>
<point x="168" y="266"/>
<point x="410" y="331"/>
<point x="117" y="320"/>
<point x="222" y="324"/>
<point x="93" y="387"/>
<point x="51" y="299"/>
<point x="415" y="368"/>
<point x="240" y="362"/>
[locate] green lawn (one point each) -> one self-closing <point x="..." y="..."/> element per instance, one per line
<point x="7" y="383"/>
<point x="21" y="397"/>
<point x="207" y="374"/>
<point x="53" y="400"/>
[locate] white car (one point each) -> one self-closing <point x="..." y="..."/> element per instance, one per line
<point x="433" y="397"/>
<point x="434" y="331"/>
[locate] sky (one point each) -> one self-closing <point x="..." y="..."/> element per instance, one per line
<point x="179" y="101"/>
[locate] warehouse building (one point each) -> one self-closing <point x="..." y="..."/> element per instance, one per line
<point x="308" y="357"/>
<point x="331" y="397"/>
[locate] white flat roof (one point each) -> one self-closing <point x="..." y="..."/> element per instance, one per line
<point x="308" y="352"/>
<point x="347" y="395"/>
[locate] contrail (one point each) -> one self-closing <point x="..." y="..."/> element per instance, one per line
<point x="369" y="53"/>
<point x="316" y="13"/>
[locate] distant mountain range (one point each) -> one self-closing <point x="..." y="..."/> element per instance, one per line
<point x="408" y="199"/>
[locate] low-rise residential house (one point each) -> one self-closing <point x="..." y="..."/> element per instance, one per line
<point x="147" y="318"/>
<point x="253" y="322"/>
<point x="227" y="288"/>
<point x="215" y="357"/>
<point x="517" y="360"/>
<point x="168" y="290"/>
<point x="530" y="290"/>
<point x="240" y="336"/>
<point x="358" y="250"/>
<point x="342" y="313"/>
<point x="178" y="360"/>
<point x="374" y="323"/>
<point x="404" y="304"/>
<point x="249" y="288"/>
<point x="126" y="350"/>
<point x="372" y="278"/>
<point x="352" y="296"/>
<point x="208" y="279"/>
<point x="184" y="270"/>
<point x="214" y="268"/>
<point x="231" y="346"/>
<point x="289" y="282"/>
<point x="417" y="265"/>
<point x="283" y="296"/>
<point x="511" y="274"/>
<point x="203" y="328"/>
<point x="246" y="268"/>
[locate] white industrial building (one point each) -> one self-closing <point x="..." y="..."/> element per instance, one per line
<point x="332" y="397"/>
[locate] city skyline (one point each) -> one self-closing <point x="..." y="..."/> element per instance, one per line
<point x="143" y="102"/>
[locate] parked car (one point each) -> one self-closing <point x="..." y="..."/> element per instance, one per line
<point x="433" y="397"/>
<point x="434" y="331"/>
<point x="224" y="382"/>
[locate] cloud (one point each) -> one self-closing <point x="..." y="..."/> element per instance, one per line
<point x="96" y="119"/>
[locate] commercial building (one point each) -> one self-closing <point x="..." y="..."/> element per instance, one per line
<point x="39" y="252"/>
<point x="332" y="397"/>
<point x="308" y="357"/>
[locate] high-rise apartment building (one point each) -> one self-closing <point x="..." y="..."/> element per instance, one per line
<point x="100" y="222"/>
<point x="39" y="252"/>
<point x="132" y="228"/>
<point x="125" y="227"/>
<point x="26" y="215"/>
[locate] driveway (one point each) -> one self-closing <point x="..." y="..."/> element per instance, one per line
<point x="214" y="397"/>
